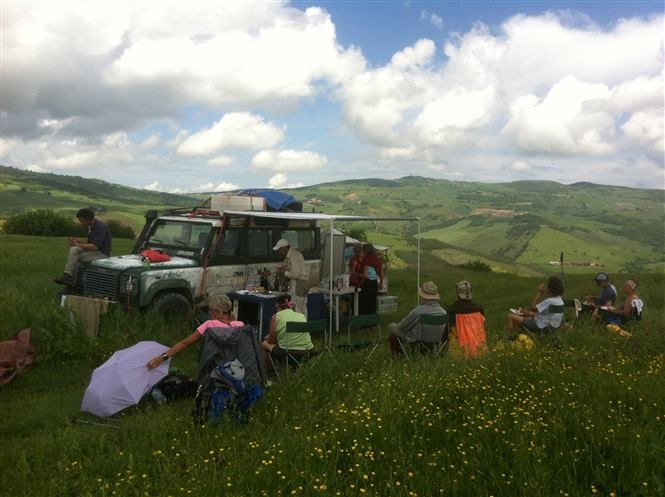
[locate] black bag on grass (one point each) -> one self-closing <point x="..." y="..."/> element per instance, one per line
<point x="177" y="386"/>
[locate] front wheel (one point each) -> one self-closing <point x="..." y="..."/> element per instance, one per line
<point x="173" y="306"/>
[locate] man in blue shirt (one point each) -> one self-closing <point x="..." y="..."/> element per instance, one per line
<point x="607" y="295"/>
<point x="97" y="246"/>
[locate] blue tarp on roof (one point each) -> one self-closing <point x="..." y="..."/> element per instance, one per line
<point x="275" y="200"/>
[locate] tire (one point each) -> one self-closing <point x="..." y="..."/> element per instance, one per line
<point x="172" y="306"/>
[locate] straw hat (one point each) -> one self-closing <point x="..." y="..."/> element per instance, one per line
<point x="429" y="291"/>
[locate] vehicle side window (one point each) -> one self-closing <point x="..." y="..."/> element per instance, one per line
<point x="258" y="241"/>
<point x="303" y="240"/>
<point x="229" y="244"/>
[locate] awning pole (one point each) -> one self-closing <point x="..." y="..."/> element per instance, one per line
<point x="330" y="286"/>
<point x="418" y="277"/>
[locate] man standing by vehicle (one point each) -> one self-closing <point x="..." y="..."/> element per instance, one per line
<point x="295" y="269"/>
<point x="97" y="246"/>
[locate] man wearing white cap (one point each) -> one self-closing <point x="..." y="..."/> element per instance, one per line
<point x="294" y="268"/>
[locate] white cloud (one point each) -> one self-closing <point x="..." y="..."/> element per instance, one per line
<point x="225" y="187"/>
<point x="72" y="161"/>
<point x="560" y="123"/>
<point x="520" y="165"/>
<point x="646" y="128"/>
<point x="288" y="160"/>
<point x="432" y="18"/>
<point x="240" y="130"/>
<point x="278" y="180"/>
<point x="115" y="65"/>
<point x="152" y="141"/>
<point x="222" y="161"/>
<point x="119" y="90"/>
<point x="637" y="94"/>
<point x="441" y="119"/>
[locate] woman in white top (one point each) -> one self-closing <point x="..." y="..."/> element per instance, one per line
<point x="538" y="317"/>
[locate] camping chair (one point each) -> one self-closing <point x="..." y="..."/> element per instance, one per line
<point x="471" y="333"/>
<point x="549" y="330"/>
<point x="294" y="358"/>
<point x="575" y="305"/>
<point x="436" y="342"/>
<point x="364" y="321"/>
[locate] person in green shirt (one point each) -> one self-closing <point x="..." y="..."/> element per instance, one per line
<point x="278" y="343"/>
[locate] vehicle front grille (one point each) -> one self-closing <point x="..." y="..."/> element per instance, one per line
<point x="101" y="283"/>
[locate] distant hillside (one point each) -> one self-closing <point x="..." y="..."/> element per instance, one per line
<point x="22" y="190"/>
<point x="523" y="223"/>
<point x="519" y="227"/>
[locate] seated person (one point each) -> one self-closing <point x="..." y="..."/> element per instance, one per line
<point x="278" y="344"/>
<point x="631" y="307"/>
<point x="468" y="318"/>
<point x="538" y="318"/>
<point x="408" y="328"/>
<point x="464" y="303"/>
<point x="221" y="315"/>
<point x="96" y="246"/>
<point x="607" y="295"/>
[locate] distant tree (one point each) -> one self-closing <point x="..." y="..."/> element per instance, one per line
<point x="477" y="265"/>
<point x="357" y="233"/>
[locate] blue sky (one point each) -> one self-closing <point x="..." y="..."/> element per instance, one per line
<point x="212" y="96"/>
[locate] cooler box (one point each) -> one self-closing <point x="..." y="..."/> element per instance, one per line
<point x="386" y="303"/>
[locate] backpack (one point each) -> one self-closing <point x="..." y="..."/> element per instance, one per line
<point x="224" y="393"/>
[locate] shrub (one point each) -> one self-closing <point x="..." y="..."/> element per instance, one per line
<point x="46" y="222"/>
<point x="119" y="230"/>
<point x="40" y="222"/>
<point x="477" y="265"/>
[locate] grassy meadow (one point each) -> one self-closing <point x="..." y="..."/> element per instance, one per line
<point x="580" y="416"/>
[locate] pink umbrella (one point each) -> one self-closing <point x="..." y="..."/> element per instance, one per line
<point x="122" y="380"/>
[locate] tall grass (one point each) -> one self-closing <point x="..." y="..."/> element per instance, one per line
<point x="583" y="415"/>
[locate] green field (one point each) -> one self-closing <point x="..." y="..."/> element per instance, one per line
<point x="584" y="415"/>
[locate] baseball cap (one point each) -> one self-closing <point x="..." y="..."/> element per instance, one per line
<point x="601" y="277"/>
<point x="282" y="242"/>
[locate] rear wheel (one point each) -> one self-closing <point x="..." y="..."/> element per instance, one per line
<point x="173" y="306"/>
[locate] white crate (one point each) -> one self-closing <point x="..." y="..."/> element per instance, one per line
<point x="386" y="303"/>
<point x="237" y="203"/>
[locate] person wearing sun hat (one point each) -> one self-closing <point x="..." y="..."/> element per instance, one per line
<point x="407" y="328"/>
<point x="631" y="308"/>
<point x="464" y="303"/>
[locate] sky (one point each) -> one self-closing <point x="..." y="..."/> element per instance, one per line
<point x="203" y="96"/>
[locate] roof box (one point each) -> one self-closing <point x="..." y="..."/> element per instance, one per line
<point x="237" y="203"/>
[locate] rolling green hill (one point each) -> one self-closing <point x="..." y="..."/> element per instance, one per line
<point x="24" y="190"/>
<point x="520" y="227"/>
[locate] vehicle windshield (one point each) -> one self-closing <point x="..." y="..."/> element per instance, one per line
<point x="179" y="234"/>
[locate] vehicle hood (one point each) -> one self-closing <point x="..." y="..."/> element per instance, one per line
<point x="132" y="261"/>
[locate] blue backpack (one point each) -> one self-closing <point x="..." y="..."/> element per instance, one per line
<point x="224" y="393"/>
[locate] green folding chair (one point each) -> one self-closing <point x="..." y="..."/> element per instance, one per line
<point x="364" y="321"/>
<point x="424" y="345"/>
